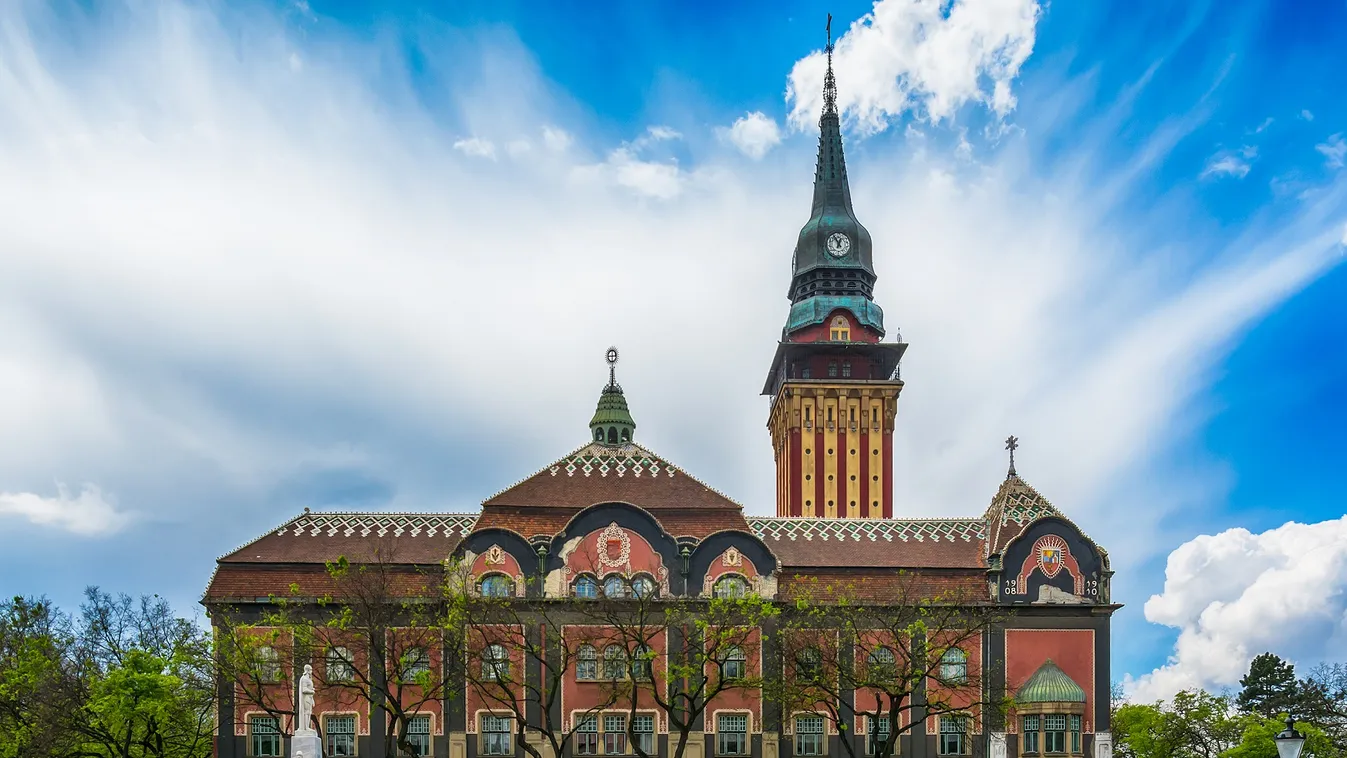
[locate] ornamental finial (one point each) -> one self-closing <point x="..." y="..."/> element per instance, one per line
<point x="611" y="357"/>
<point x="829" y="81"/>
<point x="1012" y="444"/>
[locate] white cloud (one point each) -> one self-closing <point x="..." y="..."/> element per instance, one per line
<point x="1236" y="594"/>
<point x="1334" y="150"/>
<point x="1227" y="164"/>
<point x="1305" y="114"/>
<point x="658" y="179"/>
<point x="753" y="134"/>
<point x="556" y="140"/>
<point x="660" y="133"/>
<point x="1263" y="126"/>
<point x="477" y="147"/>
<point x="88" y="514"/>
<point x="926" y="56"/>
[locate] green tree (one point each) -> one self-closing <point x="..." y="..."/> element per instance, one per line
<point x="1257" y="741"/>
<point x="34" y="640"/>
<point x="1196" y="724"/>
<point x="1270" y="688"/>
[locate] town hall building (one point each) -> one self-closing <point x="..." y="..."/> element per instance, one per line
<point x="613" y="519"/>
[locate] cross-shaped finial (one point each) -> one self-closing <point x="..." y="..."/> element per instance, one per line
<point x="611" y="357"/>
<point x="1012" y="444"/>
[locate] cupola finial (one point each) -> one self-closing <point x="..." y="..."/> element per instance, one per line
<point x="612" y="423"/>
<point x="829" y="81"/>
<point x="1012" y="444"/>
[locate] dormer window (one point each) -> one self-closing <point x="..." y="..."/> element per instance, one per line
<point x="840" y="329"/>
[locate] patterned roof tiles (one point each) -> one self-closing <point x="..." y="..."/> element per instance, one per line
<point x="876" y="543"/>
<point x="903" y="530"/>
<point x="380" y="524"/>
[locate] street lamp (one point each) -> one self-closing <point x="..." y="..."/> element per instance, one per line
<point x="1289" y="742"/>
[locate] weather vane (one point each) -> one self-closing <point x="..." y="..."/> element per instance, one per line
<point x="612" y="365"/>
<point x="829" y="81"/>
<point x="1012" y="444"/>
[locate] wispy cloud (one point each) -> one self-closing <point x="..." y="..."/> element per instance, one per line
<point x="87" y="514"/>
<point x="1334" y="150"/>
<point x="1228" y="163"/>
<point x="477" y="147"/>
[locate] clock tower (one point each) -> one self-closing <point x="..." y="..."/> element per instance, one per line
<point x="834" y="380"/>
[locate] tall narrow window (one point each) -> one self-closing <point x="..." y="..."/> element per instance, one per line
<point x="418" y="735"/>
<point x="642" y="664"/>
<point x="614" y="662"/>
<point x="731" y="734"/>
<point x="846" y="368"/>
<point x="643" y="731"/>
<point x="268" y="664"/>
<point x="954" y="666"/>
<point x="495" y="663"/>
<point x="1054" y="733"/>
<point x="734" y="662"/>
<point x="587" y="663"/>
<point x="881" y="666"/>
<point x="340" y="735"/>
<point x="614" y="734"/>
<point x="265" y="734"/>
<point x="340" y="665"/>
<point x="496" y="733"/>
<point x="1075" y="733"/>
<point x="832" y="369"/>
<point x="1029" y="728"/>
<point x="587" y="736"/>
<point x="953" y="735"/>
<point x="809" y="664"/>
<point x="879" y="734"/>
<point x="809" y="735"/>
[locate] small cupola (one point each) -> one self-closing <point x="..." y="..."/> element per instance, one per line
<point x="612" y="423"/>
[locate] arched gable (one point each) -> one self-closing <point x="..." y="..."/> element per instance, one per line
<point x="613" y="538"/>
<point x="497" y="550"/>
<point x="1052" y="562"/>
<point x="733" y="552"/>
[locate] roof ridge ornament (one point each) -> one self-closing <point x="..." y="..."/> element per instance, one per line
<point x="1012" y="444"/>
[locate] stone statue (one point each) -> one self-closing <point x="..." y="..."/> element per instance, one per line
<point x="304" y="713"/>
<point x="998" y="746"/>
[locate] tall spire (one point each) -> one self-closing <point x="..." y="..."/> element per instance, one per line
<point x="829" y="81"/>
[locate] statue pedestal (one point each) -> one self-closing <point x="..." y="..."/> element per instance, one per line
<point x="306" y="744"/>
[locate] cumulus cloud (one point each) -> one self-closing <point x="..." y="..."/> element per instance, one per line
<point x="1229" y="164"/>
<point x="88" y="514"/>
<point x="753" y="134"/>
<point x="1334" y="150"/>
<point x="477" y="147"/>
<point x="1236" y="594"/>
<point x="930" y="57"/>
<point x="556" y="140"/>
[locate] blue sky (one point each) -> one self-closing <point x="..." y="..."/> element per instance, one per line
<point x="368" y="255"/>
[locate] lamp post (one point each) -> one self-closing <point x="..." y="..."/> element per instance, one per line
<point x="1289" y="741"/>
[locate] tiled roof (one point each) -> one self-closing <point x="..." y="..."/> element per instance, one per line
<point x="532" y="521"/>
<point x="1049" y="684"/>
<point x="1015" y="506"/>
<point x="240" y="582"/>
<point x="884" y="543"/>
<point x="598" y="473"/>
<point x="421" y="538"/>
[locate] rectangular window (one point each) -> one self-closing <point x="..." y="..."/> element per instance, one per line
<point x="587" y="736"/>
<point x="731" y="734"/>
<point x="266" y="736"/>
<point x="953" y="735"/>
<point x="1054" y="733"/>
<point x="614" y="734"/>
<point x="879" y="734"/>
<point x="340" y="735"/>
<point x="832" y="368"/>
<point x="846" y="368"/>
<point x="1075" y="734"/>
<point x="340" y="666"/>
<point x="1029" y="728"/>
<point x="496" y="734"/>
<point x="418" y="735"/>
<point x="644" y="729"/>
<point x="809" y="735"/>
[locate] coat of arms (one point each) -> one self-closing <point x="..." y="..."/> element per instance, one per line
<point x="1051" y="551"/>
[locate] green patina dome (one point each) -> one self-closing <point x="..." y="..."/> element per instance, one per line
<point x="612" y="423"/>
<point x="1050" y="685"/>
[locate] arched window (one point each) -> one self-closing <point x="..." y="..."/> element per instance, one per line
<point x="598" y="435"/>
<point x="733" y="666"/>
<point x="614" y="662"/>
<point x="497" y="585"/>
<point x="809" y="664"/>
<point x="612" y="435"/>
<point x="495" y="663"/>
<point x="643" y="587"/>
<point x="731" y="587"/>
<point x="626" y="435"/>
<point x="587" y="663"/>
<point x="615" y="587"/>
<point x="954" y="666"/>
<point x="882" y="665"/>
<point x="642" y="664"/>
<point x="340" y="665"/>
<point x="840" y="329"/>
<point x="586" y="587"/>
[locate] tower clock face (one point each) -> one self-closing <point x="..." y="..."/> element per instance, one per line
<point x="838" y="244"/>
